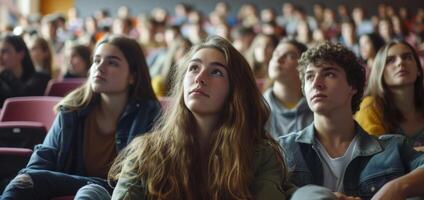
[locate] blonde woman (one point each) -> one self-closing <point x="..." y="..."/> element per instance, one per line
<point x="211" y="142"/>
<point x="396" y="95"/>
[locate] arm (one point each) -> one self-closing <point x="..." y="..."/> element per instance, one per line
<point x="45" y="155"/>
<point x="409" y="185"/>
<point x="269" y="182"/>
<point x="129" y="186"/>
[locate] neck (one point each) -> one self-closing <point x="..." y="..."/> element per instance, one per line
<point x="18" y="71"/>
<point x="287" y="93"/>
<point x="336" y="129"/>
<point x="404" y="99"/>
<point x="370" y="62"/>
<point x="113" y="104"/>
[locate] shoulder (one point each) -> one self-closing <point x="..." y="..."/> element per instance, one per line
<point x="288" y="140"/>
<point x="368" y="102"/>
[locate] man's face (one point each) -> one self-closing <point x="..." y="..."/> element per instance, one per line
<point x="327" y="89"/>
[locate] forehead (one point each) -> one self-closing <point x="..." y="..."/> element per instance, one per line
<point x="286" y="47"/>
<point x="398" y="49"/>
<point x="108" y="50"/>
<point x="322" y="65"/>
<point x="209" y="55"/>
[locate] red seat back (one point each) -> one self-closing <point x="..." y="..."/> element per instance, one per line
<point x="61" y="88"/>
<point x="34" y="108"/>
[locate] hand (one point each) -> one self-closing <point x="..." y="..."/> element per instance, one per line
<point x="421" y="148"/>
<point x="341" y="196"/>
<point x="390" y="191"/>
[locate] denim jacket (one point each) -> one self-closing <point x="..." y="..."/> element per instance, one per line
<point x="376" y="161"/>
<point x="62" y="149"/>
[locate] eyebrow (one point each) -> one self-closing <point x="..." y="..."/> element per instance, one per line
<point x="402" y="54"/>
<point x="109" y="57"/>
<point x="324" y="69"/>
<point x="212" y="63"/>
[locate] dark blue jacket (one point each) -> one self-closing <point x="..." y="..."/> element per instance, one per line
<point x="376" y="161"/>
<point x="62" y="149"/>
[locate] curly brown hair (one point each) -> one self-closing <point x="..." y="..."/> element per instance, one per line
<point x="342" y="57"/>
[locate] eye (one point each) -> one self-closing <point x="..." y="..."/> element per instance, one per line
<point x="309" y="77"/>
<point x="330" y="74"/>
<point x="390" y="60"/>
<point x="114" y="63"/>
<point x="96" y="61"/>
<point x="193" y="67"/>
<point x="407" y="56"/>
<point x="217" y="72"/>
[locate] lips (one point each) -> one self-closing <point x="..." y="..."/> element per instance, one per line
<point x="99" y="78"/>
<point x="402" y="72"/>
<point x="318" y="97"/>
<point x="198" y="92"/>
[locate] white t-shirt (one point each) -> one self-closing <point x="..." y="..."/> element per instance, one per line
<point x="334" y="168"/>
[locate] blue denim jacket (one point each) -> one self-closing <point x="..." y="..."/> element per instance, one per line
<point x="376" y="161"/>
<point x="62" y="149"/>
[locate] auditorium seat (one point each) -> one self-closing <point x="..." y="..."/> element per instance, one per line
<point x="33" y="108"/>
<point x="61" y="88"/>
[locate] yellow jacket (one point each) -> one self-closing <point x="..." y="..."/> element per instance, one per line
<point x="370" y="118"/>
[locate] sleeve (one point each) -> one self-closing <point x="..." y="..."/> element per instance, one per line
<point x="45" y="155"/>
<point x="269" y="181"/>
<point x="413" y="159"/>
<point x="129" y="186"/>
<point x="369" y="118"/>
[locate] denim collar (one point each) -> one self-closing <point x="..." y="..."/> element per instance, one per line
<point x="367" y="145"/>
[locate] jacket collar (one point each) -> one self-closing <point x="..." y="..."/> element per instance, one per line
<point x="367" y="145"/>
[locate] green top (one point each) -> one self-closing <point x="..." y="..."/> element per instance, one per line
<point x="267" y="184"/>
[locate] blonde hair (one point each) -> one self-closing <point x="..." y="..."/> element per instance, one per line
<point x="378" y="89"/>
<point x="166" y="160"/>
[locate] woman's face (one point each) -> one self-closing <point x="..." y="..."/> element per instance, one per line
<point x="110" y="73"/>
<point x="9" y="57"/>
<point x="401" y="67"/>
<point x="366" y="48"/>
<point x="77" y="65"/>
<point x="37" y="53"/>
<point x="206" y="82"/>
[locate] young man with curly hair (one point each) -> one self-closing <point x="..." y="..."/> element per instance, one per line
<point x="334" y="154"/>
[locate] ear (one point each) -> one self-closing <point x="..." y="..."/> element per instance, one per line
<point x="131" y="79"/>
<point x="21" y="55"/>
<point x="353" y="91"/>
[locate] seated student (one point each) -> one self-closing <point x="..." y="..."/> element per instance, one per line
<point x="93" y="124"/>
<point x="289" y="110"/>
<point x="396" y="101"/>
<point x="334" y="151"/>
<point x="77" y="61"/>
<point x="211" y="142"/>
<point x="17" y="72"/>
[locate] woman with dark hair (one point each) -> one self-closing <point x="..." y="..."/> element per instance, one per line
<point x="396" y="94"/>
<point x="369" y="44"/>
<point x="77" y="61"/>
<point x="211" y="142"/>
<point x="93" y="124"/>
<point x="17" y="72"/>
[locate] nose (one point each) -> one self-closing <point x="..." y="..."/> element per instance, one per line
<point x="100" y="66"/>
<point x="399" y="60"/>
<point x="201" y="77"/>
<point x="318" y="83"/>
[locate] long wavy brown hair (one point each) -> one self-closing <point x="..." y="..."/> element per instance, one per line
<point x="166" y="161"/>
